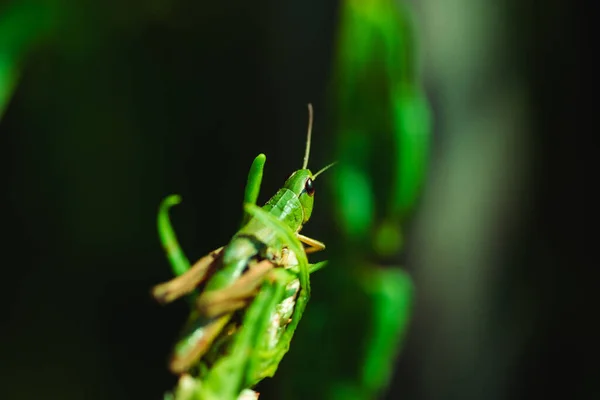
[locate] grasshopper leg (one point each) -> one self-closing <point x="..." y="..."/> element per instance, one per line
<point x="196" y="343"/>
<point x="235" y="296"/>
<point x="290" y="261"/>
<point x="183" y="284"/>
<point x="313" y="244"/>
<point x="213" y="311"/>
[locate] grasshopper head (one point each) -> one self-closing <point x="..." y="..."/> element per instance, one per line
<point x="301" y="183"/>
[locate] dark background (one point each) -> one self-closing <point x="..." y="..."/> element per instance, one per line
<point x="124" y="104"/>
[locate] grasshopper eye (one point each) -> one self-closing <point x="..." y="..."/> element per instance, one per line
<point x="309" y="187"/>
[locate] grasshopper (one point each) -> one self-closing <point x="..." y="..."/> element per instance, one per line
<point x="253" y="290"/>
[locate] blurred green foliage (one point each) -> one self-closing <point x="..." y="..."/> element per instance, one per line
<point x="22" y="25"/>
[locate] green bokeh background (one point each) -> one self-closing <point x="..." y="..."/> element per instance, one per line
<point x="118" y="104"/>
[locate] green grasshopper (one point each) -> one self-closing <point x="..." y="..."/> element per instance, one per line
<point x="261" y="278"/>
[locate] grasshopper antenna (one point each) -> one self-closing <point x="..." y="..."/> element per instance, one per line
<point x="310" y="123"/>
<point x="323" y="170"/>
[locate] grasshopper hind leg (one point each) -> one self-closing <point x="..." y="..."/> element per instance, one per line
<point x="186" y="283"/>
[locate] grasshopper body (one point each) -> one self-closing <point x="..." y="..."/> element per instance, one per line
<point x="253" y="243"/>
<point x="260" y="277"/>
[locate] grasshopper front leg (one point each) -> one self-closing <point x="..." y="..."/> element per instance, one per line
<point x="313" y="244"/>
